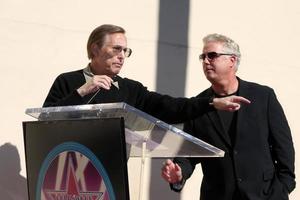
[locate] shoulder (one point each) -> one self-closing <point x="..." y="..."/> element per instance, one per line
<point x="130" y="83"/>
<point x="70" y="79"/>
<point x="255" y="86"/>
<point x="205" y="93"/>
<point x="71" y="74"/>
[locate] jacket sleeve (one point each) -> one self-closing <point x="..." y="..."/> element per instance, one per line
<point x="187" y="165"/>
<point x="170" y="109"/>
<point x="281" y="143"/>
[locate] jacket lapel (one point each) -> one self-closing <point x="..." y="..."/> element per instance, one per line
<point x="242" y="113"/>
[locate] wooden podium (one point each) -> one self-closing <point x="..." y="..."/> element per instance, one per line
<point x="80" y="152"/>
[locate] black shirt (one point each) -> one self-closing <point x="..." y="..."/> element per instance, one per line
<point x="228" y="120"/>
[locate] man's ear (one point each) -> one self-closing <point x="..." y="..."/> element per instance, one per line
<point x="95" y="49"/>
<point x="233" y="59"/>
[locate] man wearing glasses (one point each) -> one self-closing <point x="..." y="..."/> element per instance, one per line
<point x="99" y="83"/>
<point x="259" y="153"/>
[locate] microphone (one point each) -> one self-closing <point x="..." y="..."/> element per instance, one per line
<point x="93" y="96"/>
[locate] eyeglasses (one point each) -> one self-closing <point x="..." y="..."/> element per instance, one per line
<point x="213" y="55"/>
<point x="118" y="49"/>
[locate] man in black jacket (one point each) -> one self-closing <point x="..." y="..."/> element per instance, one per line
<point x="259" y="153"/>
<point x="99" y="83"/>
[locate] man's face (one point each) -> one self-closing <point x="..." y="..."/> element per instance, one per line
<point x="220" y="67"/>
<point x="109" y="59"/>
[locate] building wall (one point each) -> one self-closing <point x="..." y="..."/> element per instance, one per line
<point x="40" y="39"/>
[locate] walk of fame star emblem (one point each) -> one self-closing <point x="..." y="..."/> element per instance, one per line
<point x="71" y="175"/>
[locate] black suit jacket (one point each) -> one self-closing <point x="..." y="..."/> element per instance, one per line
<point x="260" y="164"/>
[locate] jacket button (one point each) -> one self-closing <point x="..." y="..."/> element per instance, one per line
<point x="239" y="180"/>
<point x="235" y="152"/>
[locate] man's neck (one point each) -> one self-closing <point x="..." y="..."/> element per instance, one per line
<point x="226" y="87"/>
<point x="94" y="69"/>
<point x="97" y="70"/>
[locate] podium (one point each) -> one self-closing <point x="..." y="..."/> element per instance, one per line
<point x="81" y="152"/>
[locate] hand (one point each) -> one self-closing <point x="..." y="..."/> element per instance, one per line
<point x="97" y="82"/>
<point x="171" y="172"/>
<point x="230" y="103"/>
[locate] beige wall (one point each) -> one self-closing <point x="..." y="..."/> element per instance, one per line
<point x="40" y="39"/>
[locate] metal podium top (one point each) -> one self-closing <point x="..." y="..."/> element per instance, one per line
<point x="160" y="139"/>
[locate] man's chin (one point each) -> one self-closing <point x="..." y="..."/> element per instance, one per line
<point x="116" y="71"/>
<point x="211" y="78"/>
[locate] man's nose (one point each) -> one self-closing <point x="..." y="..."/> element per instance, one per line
<point x="206" y="60"/>
<point x="121" y="55"/>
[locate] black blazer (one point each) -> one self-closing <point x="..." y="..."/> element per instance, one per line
<point x="260" y="164"/>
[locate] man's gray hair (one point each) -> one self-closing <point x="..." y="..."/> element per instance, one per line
<point x="230" y="46"/>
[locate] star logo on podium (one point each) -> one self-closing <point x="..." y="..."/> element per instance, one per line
<point x="72" y="191"/>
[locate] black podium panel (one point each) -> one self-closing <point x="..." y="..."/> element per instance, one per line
<point x="76" y="159"/>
